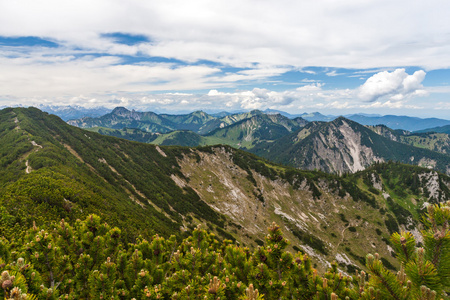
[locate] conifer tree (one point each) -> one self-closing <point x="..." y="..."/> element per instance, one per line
<point x="425" y="271"/>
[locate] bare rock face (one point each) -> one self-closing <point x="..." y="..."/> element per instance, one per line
<point x="344" y="146"/>
<point x="342" y="150"/>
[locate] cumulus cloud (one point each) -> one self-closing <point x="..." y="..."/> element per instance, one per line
<point x="396" y="85"/>
<point x="308" y="96"/>
<point x="255" y="99"/>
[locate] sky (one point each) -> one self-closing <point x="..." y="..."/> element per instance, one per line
<point x="331" y="56"/>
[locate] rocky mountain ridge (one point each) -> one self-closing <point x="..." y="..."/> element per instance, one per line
<point x="344" y="146"/>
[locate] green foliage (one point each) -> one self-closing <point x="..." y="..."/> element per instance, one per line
<point x="391" y="224"/>
<point x="87" y="260"/>
<point x="424" y="272"/>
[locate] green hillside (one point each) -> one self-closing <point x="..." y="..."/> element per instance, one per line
<point x="52" y="171"/>
<point x="435" y="141"/>
<point x="103" y="175"/>
<point x="180" y="138"/>
<point x="131" y="134"/>
<point x="239" y="131"/>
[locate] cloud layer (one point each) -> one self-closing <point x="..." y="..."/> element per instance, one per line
<point x="348" y="33"/>
<point x="247" y="54"/>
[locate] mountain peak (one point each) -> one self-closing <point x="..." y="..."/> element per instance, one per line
<point x="256" y="112"/>
<point x="120" y="110"/>
<point x="341" y="119"/>
<point x="199" y="113"/>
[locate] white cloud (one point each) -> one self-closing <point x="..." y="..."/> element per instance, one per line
<point x="32" y="76"/>
<point x="311" y="87"/>
<point x="390" y="104"/>
<point x="442" y="106"/>
<point x="334" y="73"/>
<point x="309" y="96"/>
<point x="396" y="85"/>
<point x="240" y="33"/>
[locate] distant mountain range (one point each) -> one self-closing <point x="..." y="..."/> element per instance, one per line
<point x="391" y="121"/>
<point x="435" y="140"/>
<point x="92" y="117"/>
<point x="238" y="130"/>
<point x="337" y="146"/>
<point x="314" y="116"/>
<point x="399" y="122"/>
<point x="74" y="112"/>
<point x="198" y="121"/>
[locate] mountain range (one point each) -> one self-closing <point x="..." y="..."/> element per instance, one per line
<point x="337" y="146"/>
<point x="399" y="122"/>
<point x="51" y="170"/>
<point x="343" y="146"/>
<point x="91" y="118"/>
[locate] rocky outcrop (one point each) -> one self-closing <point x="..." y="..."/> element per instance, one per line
<point x="344" y="146"/>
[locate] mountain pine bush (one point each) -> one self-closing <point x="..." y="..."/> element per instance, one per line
<point x="88" y="260"/>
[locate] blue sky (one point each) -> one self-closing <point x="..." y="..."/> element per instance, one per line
<point x="335" y="57"/>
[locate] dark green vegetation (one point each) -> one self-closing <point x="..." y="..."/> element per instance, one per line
<point x="87" y="260"/>
<point x="50" y="170"/>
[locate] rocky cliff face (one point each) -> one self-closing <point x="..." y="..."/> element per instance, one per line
<point x="344" y="146"/>
<point x="340" y="149"/>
